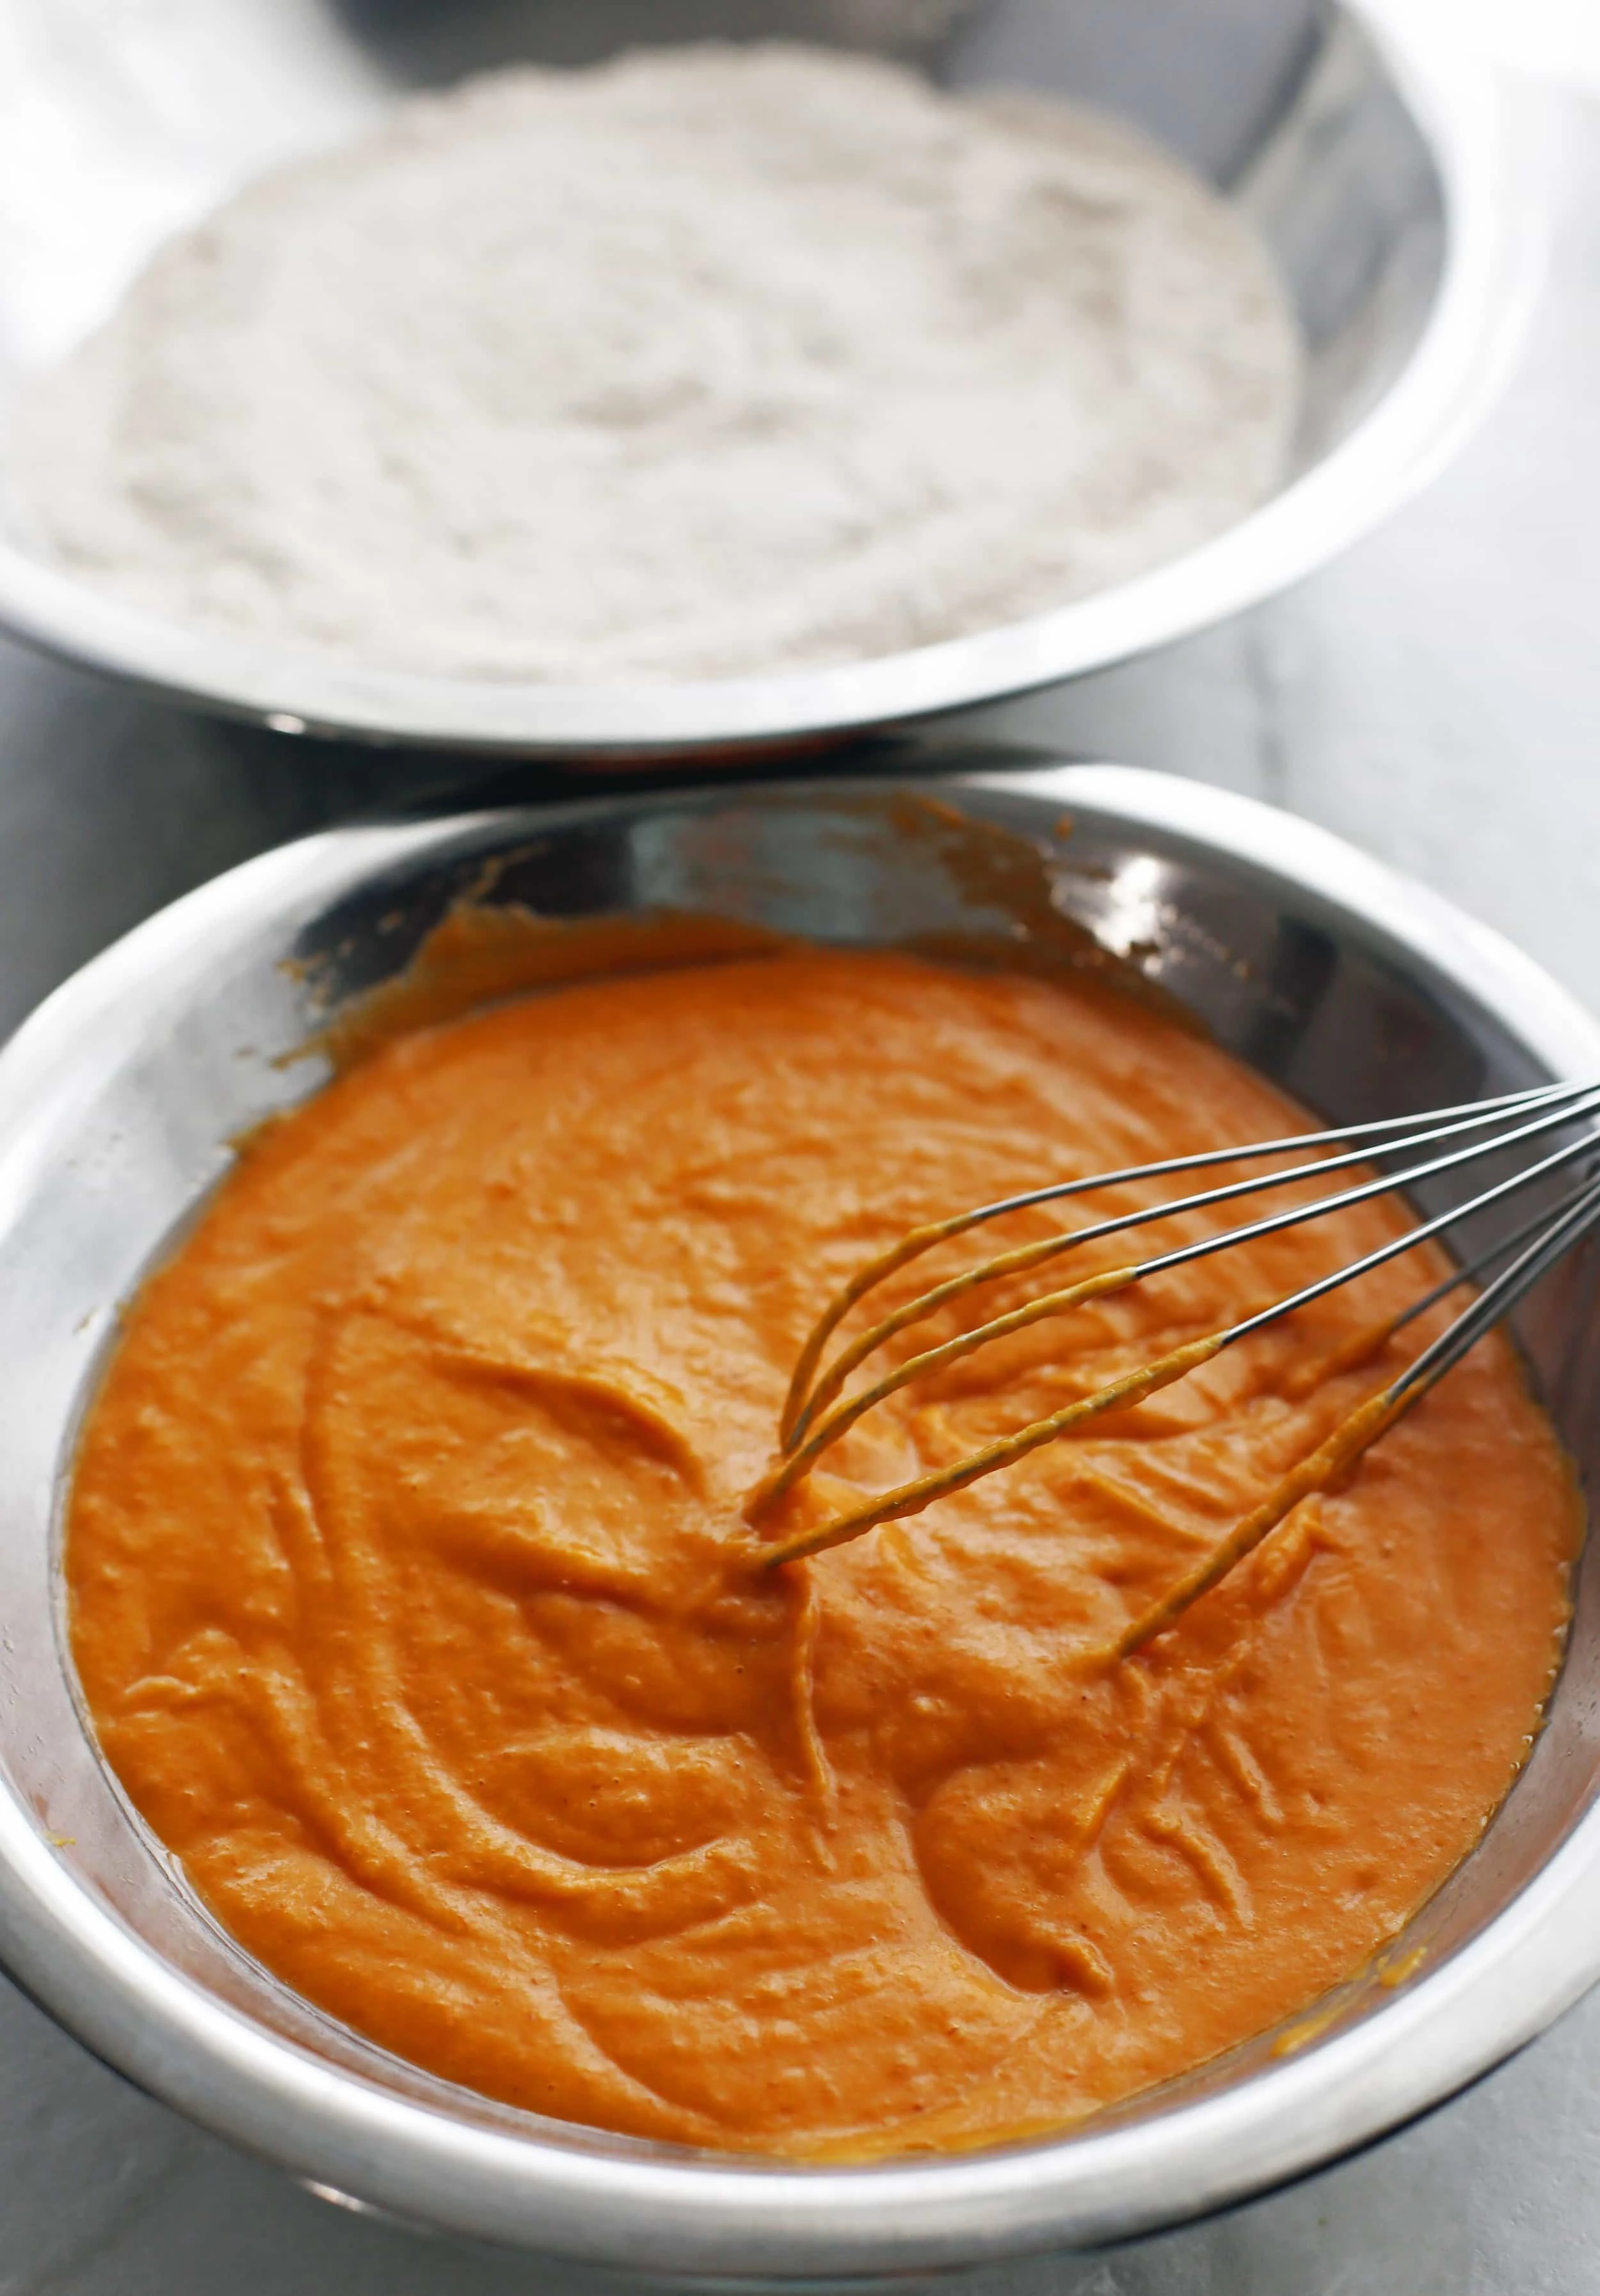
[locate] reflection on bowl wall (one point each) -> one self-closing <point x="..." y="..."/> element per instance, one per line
<point x="1379" y="169"/>
<point x="1363" y="994"/>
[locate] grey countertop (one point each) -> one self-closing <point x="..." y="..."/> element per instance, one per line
<point x="1436" y="698"/>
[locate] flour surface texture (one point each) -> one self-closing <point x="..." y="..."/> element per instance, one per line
<point x="709" y="361"/>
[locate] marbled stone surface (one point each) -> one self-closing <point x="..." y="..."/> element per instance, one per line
<point x="1435" y="697"/>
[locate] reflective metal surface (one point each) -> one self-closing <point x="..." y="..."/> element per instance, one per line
<point x="1358" y="990"/>
<point x="1386" y="169"/>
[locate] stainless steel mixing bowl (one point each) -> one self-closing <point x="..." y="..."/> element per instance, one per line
<point x="1386" y="169"/>
<point x="1364" y="994"/>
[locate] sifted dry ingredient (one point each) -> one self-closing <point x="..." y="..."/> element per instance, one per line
<point x="412" y="1598"/>
<point x="706" y="362"/>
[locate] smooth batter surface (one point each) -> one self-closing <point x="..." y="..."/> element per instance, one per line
<point x="405" y="1552"/>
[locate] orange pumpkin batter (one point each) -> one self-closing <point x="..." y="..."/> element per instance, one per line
<point x="411" y="1602"/>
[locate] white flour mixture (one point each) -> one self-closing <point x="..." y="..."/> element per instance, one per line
<point x="713" y="360"/>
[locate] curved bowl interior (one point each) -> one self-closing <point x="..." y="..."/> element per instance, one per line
<point x="116" y="1104"/>
<point x="1375" y="175"/>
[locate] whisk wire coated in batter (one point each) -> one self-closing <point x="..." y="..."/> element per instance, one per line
<point x="815" y="1417"/>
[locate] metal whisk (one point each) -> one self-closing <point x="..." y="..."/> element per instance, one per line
<point x="818" y="1411"/>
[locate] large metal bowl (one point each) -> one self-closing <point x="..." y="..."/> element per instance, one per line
<point x="1363" y="994"/>
<point x="1386" y="169"/>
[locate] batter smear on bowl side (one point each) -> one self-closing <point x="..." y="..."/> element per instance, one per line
<point x="411" y="1589"/>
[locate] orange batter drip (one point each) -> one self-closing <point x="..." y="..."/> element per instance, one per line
<point x="412" y="1600"/>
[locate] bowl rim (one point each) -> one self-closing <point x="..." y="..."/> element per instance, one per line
<point x="1492" y="164"/>
<point x="664" y="2210"/>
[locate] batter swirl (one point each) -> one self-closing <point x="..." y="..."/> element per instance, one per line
<point x="404" y="1552"/>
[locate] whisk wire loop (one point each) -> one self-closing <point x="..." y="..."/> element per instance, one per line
<point x="1511" y="1121"/>
<point x="798" y="1455"/>
<point x="824" y="1387"/>
<point x="801" y="1402"/>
